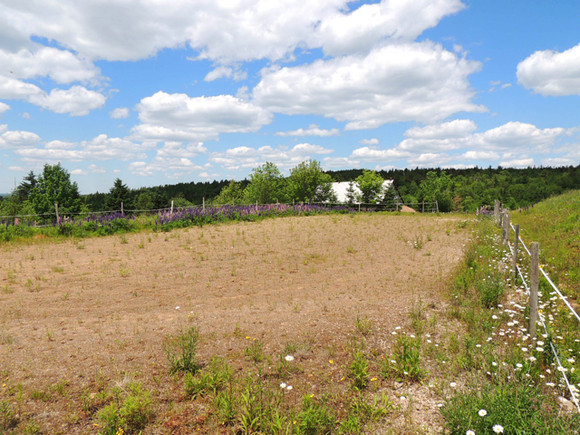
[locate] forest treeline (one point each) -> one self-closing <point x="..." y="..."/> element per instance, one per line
<point x="454" y="189"/>
<point x="469" y="189"/>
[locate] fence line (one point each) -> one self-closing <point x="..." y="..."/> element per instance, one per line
<point x="557" y="290"/>
<point x="359" y="206"/>
<point x="501" y="219"/>
<point x="555" y="353"/>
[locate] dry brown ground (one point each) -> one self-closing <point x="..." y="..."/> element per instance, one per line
<point x="96" y="311"/>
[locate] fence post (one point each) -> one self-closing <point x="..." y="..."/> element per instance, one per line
<point x="56" y="210"/>
<point x="516" y="245"/>
<point x="171" y="206"/>
<point x="534" y="281"/>
<point x="437" y="205"/>
<point x="506" y="227"/>
<point x="423" y="206"/>
<point x="496" y="211"/>
<point x="122" y="210"/>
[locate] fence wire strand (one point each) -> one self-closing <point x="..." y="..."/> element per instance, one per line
<point x="561" y="368"/>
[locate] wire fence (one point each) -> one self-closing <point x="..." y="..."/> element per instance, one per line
<point x="56" y="217"/>
<point x="502" y="219"/>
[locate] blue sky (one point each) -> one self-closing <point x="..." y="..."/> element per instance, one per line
<point x="160" y="92"/>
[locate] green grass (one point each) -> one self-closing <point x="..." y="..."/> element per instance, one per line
<point x="555" y="225"/>
<point x="509" y="379"/>
<point x="129" y="411"/>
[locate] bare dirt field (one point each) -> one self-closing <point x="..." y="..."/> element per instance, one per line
<point x="79" y="315"/>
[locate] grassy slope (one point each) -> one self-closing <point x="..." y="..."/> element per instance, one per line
<point x="555" y="224"/>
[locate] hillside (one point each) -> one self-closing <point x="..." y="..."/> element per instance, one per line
<point x="555" y="224"/>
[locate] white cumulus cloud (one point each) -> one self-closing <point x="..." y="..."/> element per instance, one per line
<point x="120" y="113"/>
<point x="222" y="31"/>
<point x="553" y="73"/>
<point x="372" y="141"/>
<point x="38" y="61"/>
<point x="312" y="130"/>
<point x="455" y="128"/>
<point x="395" y="21"/>
<point x="17" y="139"/>
<point x="410" y="82"/>
<point x="179" y="117"/>
<point x="77" y="101"/>
<point x="441" y="144"/>
<point x="282" y="156"/>
<point x="102" y="147"/>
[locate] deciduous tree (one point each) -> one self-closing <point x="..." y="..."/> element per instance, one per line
<point x="55" y="187"/>
<point x="307" y="183"/>
<point x="371" y="186"/>
<point x="266" y="185"/>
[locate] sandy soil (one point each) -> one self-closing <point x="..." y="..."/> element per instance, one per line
<point x="82" y="312"/>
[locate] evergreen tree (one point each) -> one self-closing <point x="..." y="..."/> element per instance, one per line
<point x="22" y="192"/>
<point x="118" y="194"/>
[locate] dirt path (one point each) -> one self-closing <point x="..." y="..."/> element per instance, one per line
<point x="80" y="310"/>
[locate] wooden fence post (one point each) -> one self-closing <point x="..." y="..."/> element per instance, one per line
<point x="534" y="281"/>
<point x="506" y="227"/>
<point x="122" y="211"/>
<point x="437" y="205"/>
<point x="516" y="245"/>
<point x="171" y="206"/>
<point x="56" y="210"/>
<point x="496" y="211"/>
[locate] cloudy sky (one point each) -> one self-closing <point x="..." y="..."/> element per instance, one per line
<point x="160" y="92"/>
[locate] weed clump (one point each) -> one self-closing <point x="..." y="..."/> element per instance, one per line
<point x="8" y="418"/>
<point x="181" y="351"/>
<point x="129" y="411"/>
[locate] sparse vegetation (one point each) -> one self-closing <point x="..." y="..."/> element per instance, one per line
<point x="304" y="369"/>
<point x="181" y="350"/>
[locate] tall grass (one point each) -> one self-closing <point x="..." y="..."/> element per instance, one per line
<point x="511" y="384"/>
<point x="555" y="225"/>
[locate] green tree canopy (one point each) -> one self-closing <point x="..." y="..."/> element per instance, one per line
<point x="266" y="185"/>
<point x="370" y="184"/>
<point x="307" y="182"/>
<point x="118" y="194"/>
<point x="145" y="201"/>
<point x="179" y="201"/>
<point x="54" y="187"/>
<point x="231" y="194"/>
<point x="437" y="188"/>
